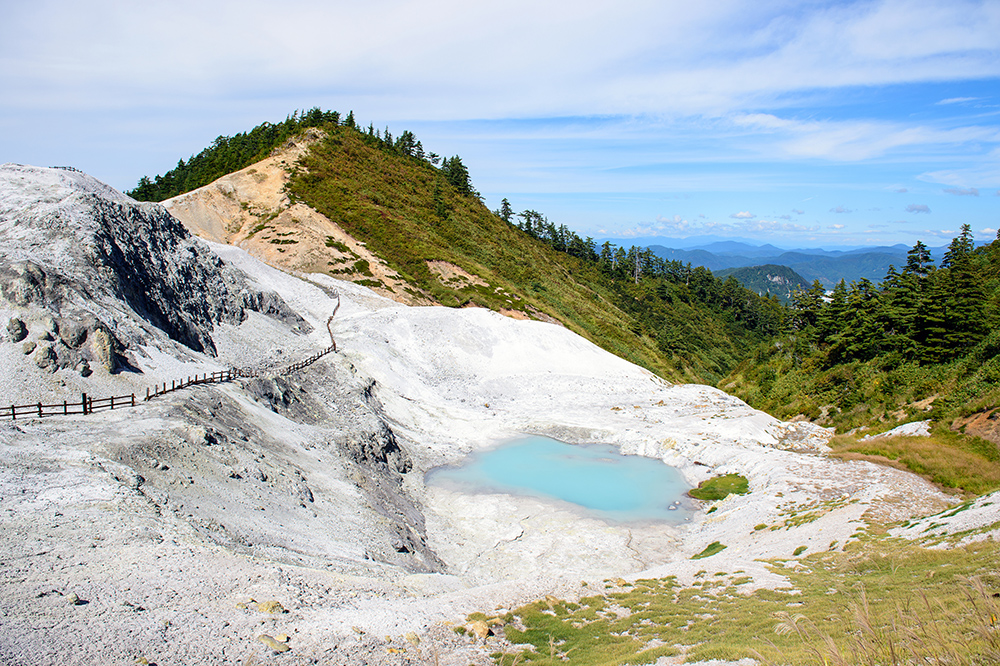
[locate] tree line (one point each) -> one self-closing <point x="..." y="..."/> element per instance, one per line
<point x="686" y="309"/>
<point x="924" y="313"/>
<point x="232" y="153"/>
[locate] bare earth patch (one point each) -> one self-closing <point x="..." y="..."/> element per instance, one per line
<point x="249" y="209"/>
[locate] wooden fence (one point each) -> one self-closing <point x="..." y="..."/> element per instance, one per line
<point x="87" y="405"/>
<point x="232" y="373"/>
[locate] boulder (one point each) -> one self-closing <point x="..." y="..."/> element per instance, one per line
<point x="17" y="330"/>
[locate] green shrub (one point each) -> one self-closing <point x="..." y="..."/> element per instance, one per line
<point x="720" y="487"/>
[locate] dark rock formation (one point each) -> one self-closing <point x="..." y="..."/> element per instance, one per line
<point x="71" y="242"/>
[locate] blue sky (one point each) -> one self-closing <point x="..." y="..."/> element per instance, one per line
<point x="796" y="123"/>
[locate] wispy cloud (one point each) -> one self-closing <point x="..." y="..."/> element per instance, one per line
<point x="836" y="226"/>
<point x="743" y="215"/>
<point x="854" y="140"/>
<point x="798" y="211"/>
<point x="958" y="100"/>
<point x="679" y="225"/>
<point x="918" y="208"/>
<point x="841" y="209"/>
<point x="971" y="192"/>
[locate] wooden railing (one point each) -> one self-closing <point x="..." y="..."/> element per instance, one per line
<point x="232" y="373"/>
<point x="87" y="405"/>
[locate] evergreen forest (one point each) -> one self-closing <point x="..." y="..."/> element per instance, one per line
<point x="869" y="350"/>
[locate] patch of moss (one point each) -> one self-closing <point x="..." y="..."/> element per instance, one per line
<point x="720" y="487"/>
<point x="710" y="549"/>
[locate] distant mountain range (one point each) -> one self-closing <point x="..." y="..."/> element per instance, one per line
<point x="827" y="266"/>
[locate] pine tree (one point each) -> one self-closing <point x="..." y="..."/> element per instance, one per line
<point x="918" y="261"/>
<point x="931" y="321"/>
<point x="831" y="317"/>
<point x="807" y="304"/>
<point x="960" y="248"/>
<point x="506" y="212"/>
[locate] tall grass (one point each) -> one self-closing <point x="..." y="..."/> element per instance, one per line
<point x="882" y="602"/>
<point x="922" y="630"/>
<point x="955" y="462"/>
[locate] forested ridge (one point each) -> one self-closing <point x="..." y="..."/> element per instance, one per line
<point x="870" y="351"/>
<point x="859" y="354"/>
<point x="777" y="280"/>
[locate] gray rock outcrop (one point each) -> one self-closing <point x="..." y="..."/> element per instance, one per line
<point x="73" y="245"/>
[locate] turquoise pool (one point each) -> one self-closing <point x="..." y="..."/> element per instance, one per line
<point x="594" y="477"/>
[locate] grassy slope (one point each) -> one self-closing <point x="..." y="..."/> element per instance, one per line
<point x="879" y="602"/>
<point x="392" y="203"/>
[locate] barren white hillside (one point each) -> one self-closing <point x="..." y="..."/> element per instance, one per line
<point x="166" y="519"/>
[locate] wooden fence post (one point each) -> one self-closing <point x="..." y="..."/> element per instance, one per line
<point x="13" y="413"/>
<point x="83" y="402"/>
<point x="112" y="402"/>
<point x="39" y="410"/>
<point x="65" y="408"/>
<point x="133" y="399"/>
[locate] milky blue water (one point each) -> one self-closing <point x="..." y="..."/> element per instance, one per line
<point x="594" y="478"/>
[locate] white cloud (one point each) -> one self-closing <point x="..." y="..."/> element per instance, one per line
<point x="743" y="215"/>
<point x="971" y="192"/>
<point x="957" y="100"/>
<point x="918" y="208"/>
<point x="798" y="211"/>
<point x="841" y="209"/>
<point x="984" y="172"/>
<point x="451" y="58"/>
<point x="775" y="226"/>
<point x="836" y="226"/>
<point x="856" y="140"/>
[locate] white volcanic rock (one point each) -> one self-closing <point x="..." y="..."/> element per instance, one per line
<point x="71" y="242"/>
<point x="309" y="488"/>
<point x="914" y="429"/>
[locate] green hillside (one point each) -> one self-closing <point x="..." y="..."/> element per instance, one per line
<point x="778" y="281"/>
<point x="679" y="322"/>
<point x="418" y="211"/>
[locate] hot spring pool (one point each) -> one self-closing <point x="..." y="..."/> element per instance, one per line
<point x="595" y="477"/>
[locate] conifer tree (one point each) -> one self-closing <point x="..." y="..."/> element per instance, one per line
<point x="807" y="304"/>
<point x="960" y="248"/>
<point x="831" y="317"/>
<point x="505" y="212"/>
<point x="918" y="261"/>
